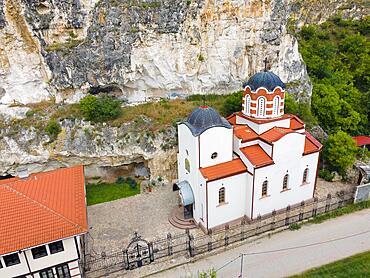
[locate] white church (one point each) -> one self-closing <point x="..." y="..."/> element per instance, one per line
<point x="255" y="161"/>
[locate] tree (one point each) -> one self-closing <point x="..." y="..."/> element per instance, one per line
<point x="340" y="152"/>
<point x="99" y="109"/>
<point x="52" y="129"/>
<point x="232" y="103"/>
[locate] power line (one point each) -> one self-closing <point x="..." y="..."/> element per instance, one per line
<point x="293" y="247"/>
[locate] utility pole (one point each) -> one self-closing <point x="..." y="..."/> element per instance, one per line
<point x="241" y="266"/>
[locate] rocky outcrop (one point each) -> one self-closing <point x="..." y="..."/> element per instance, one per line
<point x="142" y="48"/>
<point x="106" y="151"/>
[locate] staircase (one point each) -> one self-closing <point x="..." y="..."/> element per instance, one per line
<point x="177" y="219"/>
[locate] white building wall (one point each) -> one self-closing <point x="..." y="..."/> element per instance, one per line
<point x="288" y="160"/>
<point x="235" y="199"/>
<point x="216" y="140"/>
<point x="69" y="254"/>
<point x="261" y="128"/>
<point x="14" y="270"/>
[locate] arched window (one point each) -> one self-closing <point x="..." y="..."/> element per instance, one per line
<point x="261" y="106"/>
<point x="285" y="182"/>
<point x="247" y="104"/>
<point x="264" y="188"/>
<point x="305" y="175"/>
<point x="276" y="106"/>
<point x="214" y="155"/>
<point x="221" y="195"/>
<point x="187" y="165"/>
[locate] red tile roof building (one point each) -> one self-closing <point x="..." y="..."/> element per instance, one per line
<point x="42" y="208"/>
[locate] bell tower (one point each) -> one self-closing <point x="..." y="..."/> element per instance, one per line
<point x="263" y="96"/>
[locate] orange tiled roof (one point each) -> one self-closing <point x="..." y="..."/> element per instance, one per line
<point x="223" y="170"/>
<point x="42" y="208"/>
<point x="257" y="156"/>
<point x="311" y="145"/>
<point x="232" y="119"/>
<point x="296" y="123"/>
<point x="245" y="133"/>
<point x="275" y="134"/>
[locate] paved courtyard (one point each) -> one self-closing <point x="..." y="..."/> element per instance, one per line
<point x="112" y="224"/>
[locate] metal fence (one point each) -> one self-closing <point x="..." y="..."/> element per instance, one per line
<point x="140" y="252"/>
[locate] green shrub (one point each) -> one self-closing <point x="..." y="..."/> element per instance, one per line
<point x="294" y="226"/>
<point x="326" y="175"/>
<point x="232" y="103"/>
<point x="100" y="109"/>
<point x="53" y="129"/>
<point x="340" y="152"/>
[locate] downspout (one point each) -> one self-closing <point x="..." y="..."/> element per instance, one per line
<point x="207" y="202"/>
<point x="28" y="265"/>
<point x="254" y="174"/>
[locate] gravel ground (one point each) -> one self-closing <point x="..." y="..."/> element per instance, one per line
<point x="323" y="188"/>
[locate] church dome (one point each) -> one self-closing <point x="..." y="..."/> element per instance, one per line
<point x="264" y="79"/>
<point x="203" y="118"/>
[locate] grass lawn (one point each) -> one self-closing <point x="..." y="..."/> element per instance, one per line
<point x="355" y="266"/>
<point x="105" y="192"/>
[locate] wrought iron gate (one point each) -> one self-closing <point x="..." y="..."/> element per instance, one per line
<point x="139" y="252"/>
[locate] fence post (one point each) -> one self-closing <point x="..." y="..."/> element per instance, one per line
<point x="242" y="230"/>
<point x="301" y="211"/>
<point x="226" y="235"/>
<point x="314" y="208"/>
<point x="328" y="200"/>
<point x="169" y="244"/>
<point x="273" y="219"/>
<point x="259" y="219"/>
<point x="210" y="240"/>
<point x="190" y="245"/>
<point x="341" y="199"/>
<point x="287" y="215"/>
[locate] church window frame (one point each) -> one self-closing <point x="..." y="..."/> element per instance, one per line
<point x="264" y="189"/>
<point x="305" y="175"/>
<point x="286" y="182"/>
<point x="214" y="155"/>
<point x="247" y="104"/>
<point x="221" y="195"/>
<point x="276" y="105"/>
<point x="187" y="165"/>
<point x="261" y="107"/>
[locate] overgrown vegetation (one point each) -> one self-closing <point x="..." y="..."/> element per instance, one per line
<point x="105" y="192"/>
<point x="354" y="266"/>
<point x="52" y="129"/>
<point x="337" y="57"/>
<point x="100" y="109"/>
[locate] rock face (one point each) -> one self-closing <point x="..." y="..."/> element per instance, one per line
<point x="105" y="151"/>
<point x="149" y="48"/>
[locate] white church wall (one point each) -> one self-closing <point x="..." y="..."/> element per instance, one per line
<point x="261" y="128"/>
<point x="188" y="149"/>
<point x="235" y="199"/>
<point x="199" y="207"/>
<point x="216" y="140"/>
<point x="246" y="162"/>
<point x="277" y="198"/>
<point x="289" y="147"/>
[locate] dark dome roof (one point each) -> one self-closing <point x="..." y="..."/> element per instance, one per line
<point x="264" y="79"/>
<point x="203" y="118"/>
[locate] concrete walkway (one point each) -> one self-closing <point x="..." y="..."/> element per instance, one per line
<point x="353" y="229"/>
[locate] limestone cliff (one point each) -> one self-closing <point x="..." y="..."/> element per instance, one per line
<point x="138" y="48"/>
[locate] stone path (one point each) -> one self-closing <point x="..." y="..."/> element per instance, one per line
<point x="112" y="224"/>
